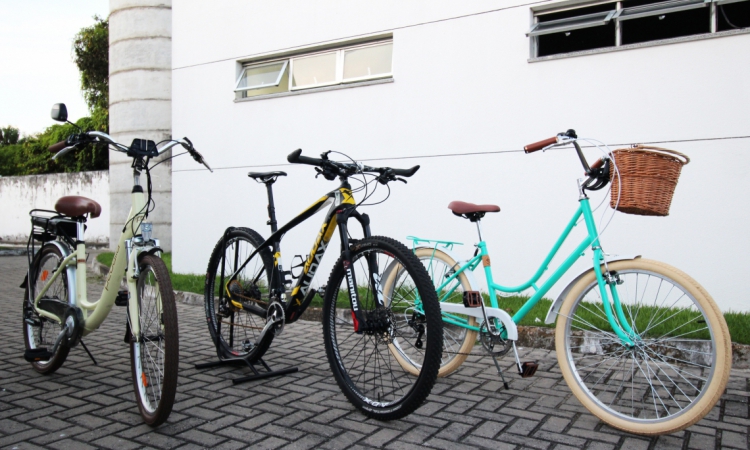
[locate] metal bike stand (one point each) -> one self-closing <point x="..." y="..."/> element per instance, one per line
<point x="257" y="375"/>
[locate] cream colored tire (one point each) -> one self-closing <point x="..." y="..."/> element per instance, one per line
<point x="457" y="341"/>
<point x="656" y="387"/>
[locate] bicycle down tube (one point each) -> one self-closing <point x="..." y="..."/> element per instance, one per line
<point x="342" y="207"/>
<point x="95" y="312"/>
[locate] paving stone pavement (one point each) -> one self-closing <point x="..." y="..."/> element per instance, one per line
<point x="86" y="406"/>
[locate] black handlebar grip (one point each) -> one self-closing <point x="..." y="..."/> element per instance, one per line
<point x="405" y="172"/>
<point x="54" y="148"/>
<point x="296" y="158"/>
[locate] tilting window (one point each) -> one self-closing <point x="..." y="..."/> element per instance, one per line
<point x="663" y="20"/>
<point x="732" y="14"/>
<point x="626" y="22"/>
<point x="266" y="78"/>
<point x="574" y="30"/>
<point x="306" y="71"/>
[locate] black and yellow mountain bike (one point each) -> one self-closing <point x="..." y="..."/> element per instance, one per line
<point x="367" y="328"/>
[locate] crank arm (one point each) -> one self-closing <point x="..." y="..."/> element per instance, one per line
<point x="492" y="313"/>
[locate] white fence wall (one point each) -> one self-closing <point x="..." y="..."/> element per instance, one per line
<point x="462" y="85"/>
<point x="18" y="195"/>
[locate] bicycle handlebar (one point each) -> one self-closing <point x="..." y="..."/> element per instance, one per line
<point x="296" y="158"/>
<point x="539" y="145"/>
<point x="75" y="140"/>
<point x="349" y="168"/>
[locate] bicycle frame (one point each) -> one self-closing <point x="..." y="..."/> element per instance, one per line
<point x="615" y="314"/>
<point x="342" y="208"/>
<point x="74" y="263"/>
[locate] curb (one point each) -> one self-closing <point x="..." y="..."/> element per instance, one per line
<point x="529" y="337"/>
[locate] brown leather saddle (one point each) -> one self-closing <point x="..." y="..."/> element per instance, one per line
<point x="76" y="206"/>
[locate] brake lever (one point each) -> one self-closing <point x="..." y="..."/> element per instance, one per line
<point x="401" y="179"/>
<point x="195" y="154"/>
<point x="64" y="151"/>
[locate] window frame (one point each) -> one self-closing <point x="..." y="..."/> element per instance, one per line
<point x="340" y="59"/>
<point x="668" y="6"/>
<point x="255" y="66"/>
<point x="289" y="61"/>
<point x="608" y="15"/>
<point x="653" y="10"/>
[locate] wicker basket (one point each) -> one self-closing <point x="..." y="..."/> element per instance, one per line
<point x="649" y="176"/>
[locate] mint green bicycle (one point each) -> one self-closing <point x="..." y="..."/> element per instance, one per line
<point x="641" y="344"/>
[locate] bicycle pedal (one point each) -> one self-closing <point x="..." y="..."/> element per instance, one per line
<point x="37" y="354"/>
<point x="472" y="299"/>
<point x="528" y="369"/>
<point x="122" y="298"/>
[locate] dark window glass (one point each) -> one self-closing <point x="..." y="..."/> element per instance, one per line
<point x="733" y="16"/>
<point x="666" y="26"/>
<point x="577" y="40"/>
<point x="580" y="39"/>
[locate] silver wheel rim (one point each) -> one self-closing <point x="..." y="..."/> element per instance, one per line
<point x="44" y="336"/>
<point x="672" y="364"/>
<point x="240" y="330"/>
<point x="453" y="335"/>
<point x="149" y="350"/>
<point x="373" y="372"/>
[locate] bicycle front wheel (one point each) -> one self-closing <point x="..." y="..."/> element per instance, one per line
<point x="679" y="365"/>
<point x="235" y="329"/>
<point x="362" y="356"/>
<point x="458" y="340"/>
<point x="154" y="352"/>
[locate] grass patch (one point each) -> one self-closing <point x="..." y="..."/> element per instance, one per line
<point x="105" y="258"/>
<point x="180" y="281"/>
<point x="738" y="322"/>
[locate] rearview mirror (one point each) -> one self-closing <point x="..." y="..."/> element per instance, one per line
<point x="59" y="112"/>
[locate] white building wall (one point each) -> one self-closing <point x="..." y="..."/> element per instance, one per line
<point x="462" y="86"/>
<point x="19" y="195"/>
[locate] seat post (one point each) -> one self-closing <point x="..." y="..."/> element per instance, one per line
<point x="479" y="230"/>
<point x="271" y="208"/>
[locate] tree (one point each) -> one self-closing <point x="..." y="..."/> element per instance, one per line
<point x="29" y="155"/>
<point x="8" y="135"/>
<point x="91" y="55"/>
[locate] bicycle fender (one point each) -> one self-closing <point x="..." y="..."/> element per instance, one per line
<point x="70" y="272"/>
<point x="555" y="307"/>
<point x="496" y="313"/>
<point x="469" y="274"/>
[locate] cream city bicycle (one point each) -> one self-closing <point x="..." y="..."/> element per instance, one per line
<point x="56" y="311"/>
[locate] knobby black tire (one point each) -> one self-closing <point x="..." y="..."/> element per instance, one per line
<point x="236" y="335"/>
<point x="393" y="392"/>
<point x="44" y="335"/>
<point x="681" y="362"/>
<point x="156" y="349"/>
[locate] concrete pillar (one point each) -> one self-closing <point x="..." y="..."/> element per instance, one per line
<point x="140" y="105"/>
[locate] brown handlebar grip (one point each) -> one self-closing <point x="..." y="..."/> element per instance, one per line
<point x="54" y="148"/>
<point x="599" y="162"/>
<point x="540" y="145"/>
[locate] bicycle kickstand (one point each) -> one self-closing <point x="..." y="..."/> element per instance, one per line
<point x="499" y="370"/>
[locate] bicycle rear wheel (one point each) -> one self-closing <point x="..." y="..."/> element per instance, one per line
<point x="457" y="340"/>
<point x="236" y="331"/>
<point x="363" y="361"/>
<point x="155" y="352"/>
<point x="39" y="332"/>
<point x="679" y="365"/>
